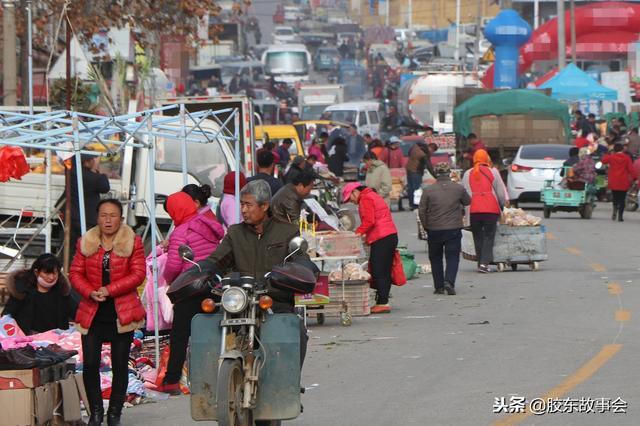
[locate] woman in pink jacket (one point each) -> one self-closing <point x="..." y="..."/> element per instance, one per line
<point x="202" y="234"/>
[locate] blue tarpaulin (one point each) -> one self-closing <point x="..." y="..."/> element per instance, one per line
<point x="574" y="85"/>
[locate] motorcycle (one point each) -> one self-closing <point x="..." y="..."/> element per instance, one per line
<point x="328" y="195"/>
<point x="602" y="182"/>
<point x="245" y="360"/>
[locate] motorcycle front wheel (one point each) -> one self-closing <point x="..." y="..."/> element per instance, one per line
<point x="230" y="393"/>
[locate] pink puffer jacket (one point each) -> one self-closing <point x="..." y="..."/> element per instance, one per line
<point x="201" y="233"/>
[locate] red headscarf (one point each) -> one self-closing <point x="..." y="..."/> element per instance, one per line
<point x="230" y="183"/>
<point x="181" y="207"/>
<point x="480" y="158"/>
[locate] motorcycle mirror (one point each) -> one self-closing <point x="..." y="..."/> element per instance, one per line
<point x="298" y="244"/>
<point x="185" y="252"/>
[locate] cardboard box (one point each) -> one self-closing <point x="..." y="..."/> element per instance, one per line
<point x="22" y="379"/>
<point x="27" y="407"/>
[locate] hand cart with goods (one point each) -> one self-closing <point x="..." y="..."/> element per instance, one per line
<point x="520" y="240"/>
<point x="343" y="288"/>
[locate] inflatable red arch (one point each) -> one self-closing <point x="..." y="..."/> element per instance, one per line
<point x="601" y="29"/>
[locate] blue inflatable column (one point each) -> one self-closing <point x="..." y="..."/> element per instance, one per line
<point x="507" y="32"/>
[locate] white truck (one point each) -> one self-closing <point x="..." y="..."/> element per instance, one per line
<point x="287" y="63"/>
<point x="314" y="99"/>
<point x="128" y="172"/>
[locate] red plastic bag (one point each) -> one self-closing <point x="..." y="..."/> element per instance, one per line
<point x="162" y="368"/>
<point x="398" y="277"/>
<point x="13" y="163"/>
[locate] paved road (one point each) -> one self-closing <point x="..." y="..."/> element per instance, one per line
<point x="569" y="330"/>
<point x="264" y="10"/>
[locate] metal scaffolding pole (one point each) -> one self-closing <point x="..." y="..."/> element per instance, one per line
<point x="562" y="46"/>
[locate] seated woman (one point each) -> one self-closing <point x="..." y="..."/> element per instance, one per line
<point x="41" y="297"/>
<point x="202" y="235"/>
<point x="584" y="171"/>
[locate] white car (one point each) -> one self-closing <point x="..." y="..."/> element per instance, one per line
<point x="532" y="165"/>
<point x="284" y="35"/>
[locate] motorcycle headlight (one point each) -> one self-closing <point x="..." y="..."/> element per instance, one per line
<point x="234" y="300"/>
<point x="598" y="165"/>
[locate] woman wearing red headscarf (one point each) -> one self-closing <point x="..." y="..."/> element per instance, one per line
<point x="202" y="234"/>
<point x="487" y="191"/>
<point x="227" y="212"/>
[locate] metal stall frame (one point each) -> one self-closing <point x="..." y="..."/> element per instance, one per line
<point x="70" y="132"/>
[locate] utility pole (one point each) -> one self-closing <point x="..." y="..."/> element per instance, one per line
<point x="536" y="14"/>
<point x="30" y="54"/>
<point x="410" y="15"/>
<point x="457" y="51"/>
<point x="562" y="46"/>
<point x="572" y="23"/>
<point x="67" y="170"/>
<point x="386" y="12"/>
<point x="476" y="56"/>
<point x="9" y="85"/>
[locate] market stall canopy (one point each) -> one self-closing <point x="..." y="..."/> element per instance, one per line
<point x="518" y="101"/>
<point x="574" y="85"/>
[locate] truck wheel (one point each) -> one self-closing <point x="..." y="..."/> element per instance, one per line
<point x="546" y="211"/>
<point x="501" y="267"/>
<point x="320" y="319"/>
<point x="535" y="266"/>
<point x="514" y="267"/>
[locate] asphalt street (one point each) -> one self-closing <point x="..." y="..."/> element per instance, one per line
<point x="568" y="333"/>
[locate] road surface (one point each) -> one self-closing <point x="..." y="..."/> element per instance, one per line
<point x="568" y="331"/>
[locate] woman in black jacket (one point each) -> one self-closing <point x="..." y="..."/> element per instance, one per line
<point x="338" y="157"/>
<point x="40" y="297"/>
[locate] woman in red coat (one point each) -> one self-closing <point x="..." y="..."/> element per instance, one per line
<point x="381" y="234"/>
<point x="107" y="269"/>
<point x="620" y="176"/>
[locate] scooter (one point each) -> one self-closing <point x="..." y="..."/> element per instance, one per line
<point x="328" y="195"/>
<point x="245" y="360"/>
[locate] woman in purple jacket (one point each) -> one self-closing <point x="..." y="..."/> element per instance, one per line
<point x="202" y="234"/>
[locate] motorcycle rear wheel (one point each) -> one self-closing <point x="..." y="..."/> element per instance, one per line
<point x="230" y="393"/>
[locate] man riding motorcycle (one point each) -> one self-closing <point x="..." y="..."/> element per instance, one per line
<point x="254" y="246"/>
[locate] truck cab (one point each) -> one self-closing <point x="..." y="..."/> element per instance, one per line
<point x="364" y="114"/>
<point x="287" y="63"/>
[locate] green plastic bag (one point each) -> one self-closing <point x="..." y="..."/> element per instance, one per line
<point x="408" y="263"/>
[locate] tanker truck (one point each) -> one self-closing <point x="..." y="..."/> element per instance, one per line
<point x="428" y="100"/>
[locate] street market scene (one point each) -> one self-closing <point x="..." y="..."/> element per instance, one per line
<point x="309" y="212"/>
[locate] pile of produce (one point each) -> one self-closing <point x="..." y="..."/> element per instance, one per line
<point x="351" y="272"/>
<point x="518" y="217"/>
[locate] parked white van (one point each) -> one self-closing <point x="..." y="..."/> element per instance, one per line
<point x="364" y="114"/>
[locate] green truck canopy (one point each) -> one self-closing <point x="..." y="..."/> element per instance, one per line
<point x="518" y="101"/>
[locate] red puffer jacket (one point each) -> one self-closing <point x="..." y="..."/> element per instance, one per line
<point x="127" y="273"/>
<point x="375" y="216"/>
<point x="621" y="172"/>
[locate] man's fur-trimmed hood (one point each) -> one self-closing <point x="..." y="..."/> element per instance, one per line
<point x="122" y="244"/>
<point x="19" y="283"/>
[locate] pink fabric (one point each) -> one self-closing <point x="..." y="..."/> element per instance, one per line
<point x="315" y="150"/>
<point x="200" y="233"/>
<point x="228" y="209"/>
<point x="148" y="291"/>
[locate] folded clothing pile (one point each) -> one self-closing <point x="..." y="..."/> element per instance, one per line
<point x="518" y="217"/>
<point x="29" y="357"/>
<point x="350" y="272"/>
